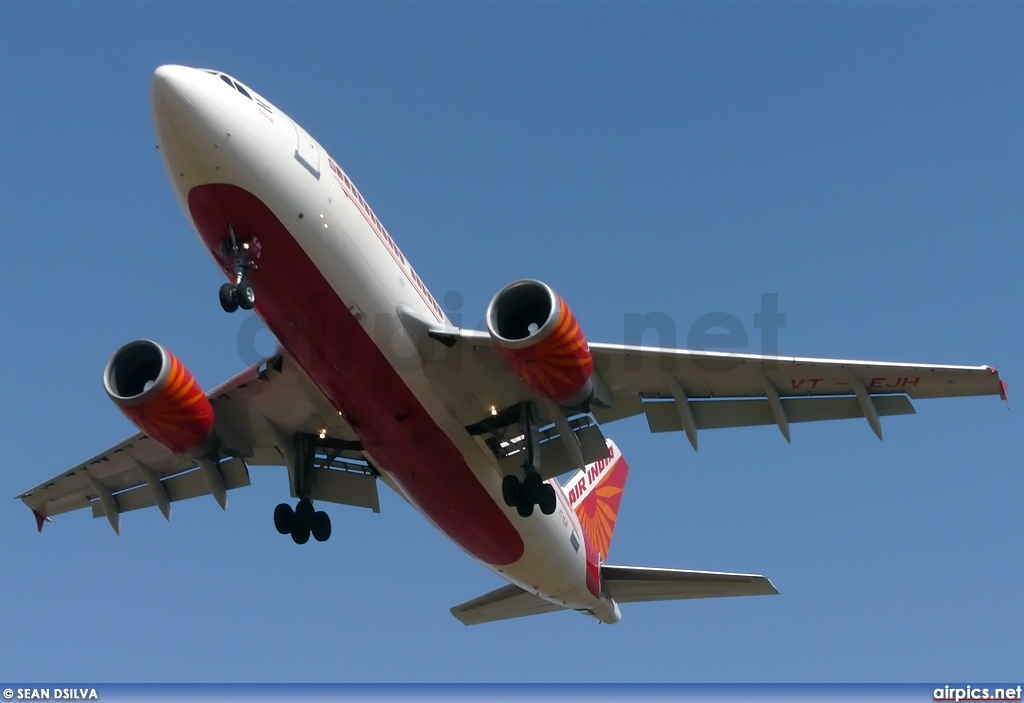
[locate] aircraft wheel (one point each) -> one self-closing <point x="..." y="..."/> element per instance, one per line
<point x="510" y="490"/>
<point x="284" y="518"/>
<point x="227" y="298"/>
<point x="525" y="509"/>
<point x="245" y="295"/>
<point x="300" y="534"/>
<point x="533" y="488"/>
<point x="321" y="526"/>
<point x="304" y="512"/>
<point x="548" y="501"/>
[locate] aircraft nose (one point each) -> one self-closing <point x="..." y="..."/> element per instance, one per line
<point x="169" y="80"/>
<point x="173" y="91"/>
<point x="186" y="116"/>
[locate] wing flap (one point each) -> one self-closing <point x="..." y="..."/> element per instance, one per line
<point x="504" y="603"/>
<point x="184" y="486"/>
<point x="663" y="416"/>
<point x="636" y="584"/>
<point x="115" y="468"/>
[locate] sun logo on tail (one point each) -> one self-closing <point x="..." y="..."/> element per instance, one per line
<point x="596" y="495"/>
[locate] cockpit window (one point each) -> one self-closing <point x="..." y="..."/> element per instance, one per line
<point x="233" y="83"/>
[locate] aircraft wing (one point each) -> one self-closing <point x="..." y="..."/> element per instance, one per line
<point x="684" y="390"/>
<point x="256" y="415"/>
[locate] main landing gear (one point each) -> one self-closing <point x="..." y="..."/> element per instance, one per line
<point x="525" y="494"/>
<point x="531" y="490"/>
<point x="303" y="520"/>
<point x="239" y="294"/>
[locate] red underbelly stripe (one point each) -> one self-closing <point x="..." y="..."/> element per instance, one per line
<point x="318" y="330"/>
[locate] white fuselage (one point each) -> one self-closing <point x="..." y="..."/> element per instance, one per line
<point x="225" y="151"/>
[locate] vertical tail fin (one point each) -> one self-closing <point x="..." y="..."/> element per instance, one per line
<point x="595" y="496"/>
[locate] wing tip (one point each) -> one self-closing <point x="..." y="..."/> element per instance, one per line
<point x="1003" y="395"/>
<point x="40" y="519"/>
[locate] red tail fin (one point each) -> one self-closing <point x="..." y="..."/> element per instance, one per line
<point x="595" y="495"/>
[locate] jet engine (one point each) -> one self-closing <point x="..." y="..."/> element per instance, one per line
<point x="540" y="338"/>
<point x="161" y="397"/>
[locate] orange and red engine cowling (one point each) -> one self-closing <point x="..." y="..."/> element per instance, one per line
<point x="540" y="338"/>
<point x="161" y="397"/>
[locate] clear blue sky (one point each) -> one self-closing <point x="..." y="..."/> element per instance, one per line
<point x="861" y="160"/>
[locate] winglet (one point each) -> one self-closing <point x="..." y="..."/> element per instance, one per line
<point x="40" y="519"/>
<point x="1002" y="389"/>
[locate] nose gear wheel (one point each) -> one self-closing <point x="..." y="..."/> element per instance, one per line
<point x="239" y="294"/>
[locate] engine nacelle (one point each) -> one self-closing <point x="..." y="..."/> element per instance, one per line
<point x="161" y="397"/>
<point x="540" y="338"/>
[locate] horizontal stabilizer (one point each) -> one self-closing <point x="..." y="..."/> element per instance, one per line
<point x="625" y="584"/>
<point x="502" y="604"/>
<point x="636" y="584"/>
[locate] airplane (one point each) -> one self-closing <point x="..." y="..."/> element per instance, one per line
<point x="371" y="382"/>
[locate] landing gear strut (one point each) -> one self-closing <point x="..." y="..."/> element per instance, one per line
<point x="304" y="520"/>
<point x="239" y="294"/>
<point x="531" y="491"/>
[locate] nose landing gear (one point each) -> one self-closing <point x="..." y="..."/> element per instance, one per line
<point x="239" y="294"/>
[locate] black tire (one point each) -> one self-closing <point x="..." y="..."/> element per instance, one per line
<point x="548" y="501"/>
<point x="533" y="488"/>
<point x="304" y="513"/>
<point x="284" y="518"/>
<point x="525" y="509"/>
<point x="510" y="489"/>
<point x="300" y="535"/>
<point x="321" y="526"/>
<point x="245" y="295"/>
<point x="227" y="298"/>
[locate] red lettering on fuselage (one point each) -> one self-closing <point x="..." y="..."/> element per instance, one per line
<point x="359" y="201"/>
